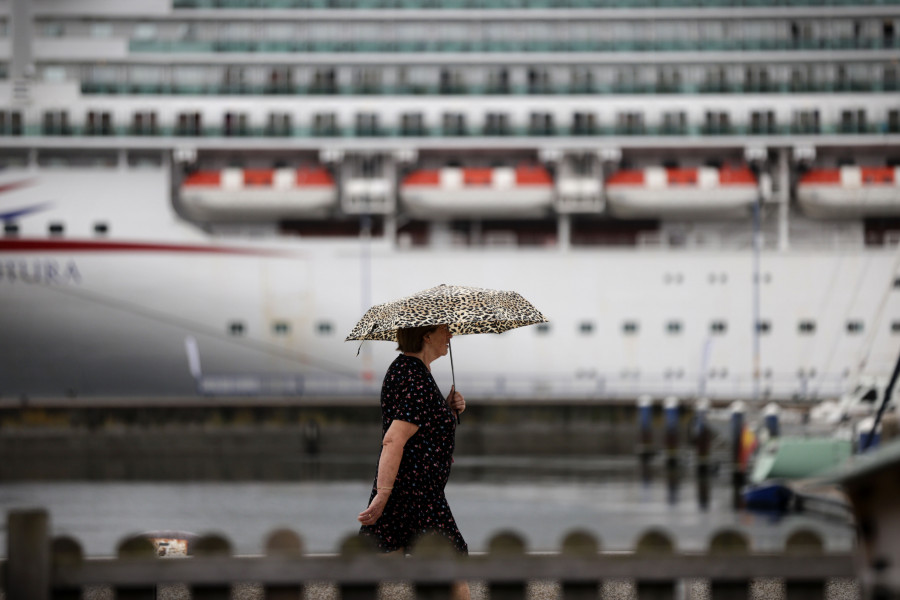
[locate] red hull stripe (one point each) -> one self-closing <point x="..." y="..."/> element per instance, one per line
<point x="49" y="245"/>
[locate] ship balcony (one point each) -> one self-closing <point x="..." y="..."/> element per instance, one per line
<point x="703" y="192"/>
<point x="522" y="192"/>
<point x="850" y="191"/>
<point x="260" y="195"/>
<point x="506" y="5"/>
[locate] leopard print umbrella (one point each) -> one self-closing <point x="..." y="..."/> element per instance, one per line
<point x="465" y="309"/>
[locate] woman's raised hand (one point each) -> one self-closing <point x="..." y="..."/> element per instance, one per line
<point x="456" y="401"/>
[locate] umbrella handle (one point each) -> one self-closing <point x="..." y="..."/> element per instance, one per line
<point x="452" y="374"/>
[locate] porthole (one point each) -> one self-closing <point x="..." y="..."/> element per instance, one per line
<point x="56" y="229"/>
<point x="630" y="327"/>
<point x="673" y="327"/>
<point x="543" y="328"/>
<point x="281" y="328"/>
<point x="324" y="328"/>
<point x="236" y="328"/>
<point x="586" y="327"/>
<point x="854" y="327"/>
<point x="718" y="327"/>
<point x="763" y="327"/>
<point x="807" y="327"/>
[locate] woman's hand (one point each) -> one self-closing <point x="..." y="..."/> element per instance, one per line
<point x="371" y="515"/>
<point x="456" y="401"/>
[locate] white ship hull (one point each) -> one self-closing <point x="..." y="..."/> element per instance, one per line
<point x="86" y="315"/>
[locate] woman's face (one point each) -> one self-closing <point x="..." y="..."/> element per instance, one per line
<point x="438" y="340"/>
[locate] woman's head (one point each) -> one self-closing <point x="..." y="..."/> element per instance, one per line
<point x="412" y="339"/>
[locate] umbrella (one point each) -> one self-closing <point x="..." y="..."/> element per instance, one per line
<point x="464" y="309"/>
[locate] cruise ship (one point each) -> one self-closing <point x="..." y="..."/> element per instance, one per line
<point x="200" y="198"/>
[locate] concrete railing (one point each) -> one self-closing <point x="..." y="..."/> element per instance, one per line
<point x="41" y="568"/>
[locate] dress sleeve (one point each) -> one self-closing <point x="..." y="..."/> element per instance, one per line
<point x="412" y="389"/>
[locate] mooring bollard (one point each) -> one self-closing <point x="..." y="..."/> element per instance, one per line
<point x="645" y="433"/>
<point x="702" y="435"/>
<point x="670" y="410"/>
<point x="702" y="443"/>
<point x="770" y="418"/>
<point x="738" y="476"/>
<point x="28" y="555"/>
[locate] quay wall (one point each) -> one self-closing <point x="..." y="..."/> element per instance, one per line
<point x="271" y="452"/>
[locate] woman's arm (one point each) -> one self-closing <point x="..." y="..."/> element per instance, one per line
<point x="388" y="465"/>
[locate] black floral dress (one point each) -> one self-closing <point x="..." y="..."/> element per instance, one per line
<point x="417" y="503"/>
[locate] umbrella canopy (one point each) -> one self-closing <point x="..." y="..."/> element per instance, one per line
<point x="464" y="309"/>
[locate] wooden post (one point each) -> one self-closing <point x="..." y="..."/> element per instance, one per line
<point x="578" y="545"/>
<point x="211" y="546"/>
<point x="284" y="543"/>
<point x="434" y="546"/>
<point x="133" y="549"/>
<point x="28" y="555"/>
<point x="356" y="547"/>
<point x="506" y="544"/>
<point x="729" y="542"/>
<point x="66" y="552"/>
<point x="655" y="542"/>
<point x="807" y="543"/>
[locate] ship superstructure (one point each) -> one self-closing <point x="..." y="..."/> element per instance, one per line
<point x="712" y="188"/>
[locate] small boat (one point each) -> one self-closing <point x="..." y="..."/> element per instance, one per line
<point x="773" y="495"/>
<point x="799" y="457"/>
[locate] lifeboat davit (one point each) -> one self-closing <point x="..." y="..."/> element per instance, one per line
<point x="258" y="194"/>
<point x="478" y="192"/>
<point x="850" y="192"/>
<point x="696" y="192"/>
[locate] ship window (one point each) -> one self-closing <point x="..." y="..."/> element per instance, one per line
<point x="807" y="327"/>
<point x="236" y="124"/>
<point x="325" y="124"/>
<point x="630" y="327"/>
<point x="324" y="328"/>
<point x="541" y="123"/>
<point x="454" y="123"/>
<point x="718" y="327"/>
<point x="897" y="283"/>
<point x="101" y="228"/>
<point x="586" y="327"/>
<point x="279" y="124"/>
<point x="763" y="327"/>
<point x="673" y="327"/>
<point x="56" y="228"/>
<point x="98" y="123"/>
<point x="895" y="327"/>
<point x="236" y="328"/>
<point x="366" y="124"/>
<point x="11" y="122"/>
<point x="281" y="328"/>
<point x="854" y="326"/>
<point x="10" y="229"/>
<point x="412" y="124"/>
<point x="543" y="328"/>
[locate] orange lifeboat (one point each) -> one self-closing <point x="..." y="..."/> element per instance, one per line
<point x="478" y="192"/>
<point x="232" y="195"/>
<point x="850" y="191"/>
<point x="695" y="192"/>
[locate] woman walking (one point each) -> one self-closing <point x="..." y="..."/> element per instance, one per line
<point x="419" y="428"/>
